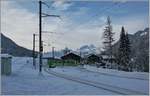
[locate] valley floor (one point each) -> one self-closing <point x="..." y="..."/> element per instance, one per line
<point x="25" y="80"/>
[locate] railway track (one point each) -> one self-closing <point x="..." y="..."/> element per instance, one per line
<point x="114" y="89"/>
<point x="86" y="70"/>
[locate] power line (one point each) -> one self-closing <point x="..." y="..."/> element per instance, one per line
<point x="106" y="9"/>
<point x="41" y="14"/>
<point x="100" y="13"/>
<point x="52" y="32"/>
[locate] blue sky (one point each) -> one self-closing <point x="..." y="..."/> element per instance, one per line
<point x="80" y="19"/>
<point x="93" y="8"/>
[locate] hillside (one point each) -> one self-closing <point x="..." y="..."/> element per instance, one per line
<point x="139" y="47"/>
<point x="10" y="47"/>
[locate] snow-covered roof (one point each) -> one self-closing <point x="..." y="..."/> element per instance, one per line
<point x="88" y="55"/>
<point x="6" y="56"/>
<point x="144" y="33"/>
<point x="56" y="57"/>
<point x="74" y="52"/>
<point x="106" y="56"/>
<point x="50" y="56"/>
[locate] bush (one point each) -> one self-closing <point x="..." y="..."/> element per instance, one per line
<point x="51" y="64"/>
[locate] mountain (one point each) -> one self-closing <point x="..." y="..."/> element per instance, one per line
<point x="10" y="47"/>
<point x="139" y="47"/>
<point x="87" y="49"/>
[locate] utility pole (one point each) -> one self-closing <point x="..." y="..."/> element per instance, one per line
<point x="80" y="56"/>
<point x="53" y="55"/>
<point x="33" y="53"/>
<point x="40" y="31"/>
<point x="40" y="36"/>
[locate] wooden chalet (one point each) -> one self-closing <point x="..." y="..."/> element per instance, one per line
<point x="71" y="56"/>
<point x="92" y="58"/>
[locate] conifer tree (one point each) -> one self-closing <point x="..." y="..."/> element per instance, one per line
<point x="108" y="38"/>
<point x="127" y="52"/>
<point x="121" y="51"/>
<point x="124" y="51"/>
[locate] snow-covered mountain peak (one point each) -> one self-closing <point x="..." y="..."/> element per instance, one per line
<point x="87" y="49"/>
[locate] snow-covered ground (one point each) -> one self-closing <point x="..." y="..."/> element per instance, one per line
<point x="134" y="81"/>
<point x="123" y="74"/>
<point x="25" y="80"/>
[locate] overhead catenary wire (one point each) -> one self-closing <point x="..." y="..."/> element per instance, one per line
<point x="103" y="11"/>
<point x="40" y="31"/>
<point x="99" y="13"/>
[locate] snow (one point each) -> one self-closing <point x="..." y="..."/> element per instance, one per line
<point x="47" y="55"/>
<point x="25" y="80"/>
<point x="144" y="33"/>
<point x="138" y="75"/>
<point x="134" y="84"/>
<point x="106" y="56"/>
<point x="5" y="55"/>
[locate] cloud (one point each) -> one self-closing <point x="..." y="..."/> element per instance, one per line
<point x="132" y="24"/>
<point x="19" y="24"/>
<point x="120" y="1"/>
<point x="61" y="5"/>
